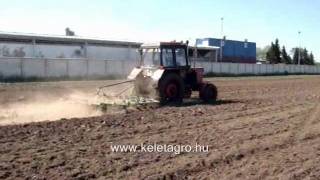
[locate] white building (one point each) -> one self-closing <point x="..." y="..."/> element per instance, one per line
<point x="65" y="47"/>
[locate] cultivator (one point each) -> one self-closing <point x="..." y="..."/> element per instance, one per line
<point x="123" y="98"/>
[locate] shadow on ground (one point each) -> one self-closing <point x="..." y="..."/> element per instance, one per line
<point x="195" y="101"/>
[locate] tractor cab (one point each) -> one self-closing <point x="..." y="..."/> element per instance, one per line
<point x="166" y="55"/>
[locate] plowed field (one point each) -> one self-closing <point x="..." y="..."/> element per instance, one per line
<point x="261" y="128"/>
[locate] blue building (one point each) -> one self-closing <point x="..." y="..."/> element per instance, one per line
<point x="232" y="51"/>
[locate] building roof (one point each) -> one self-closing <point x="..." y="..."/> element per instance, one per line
<point x="150" y="45"/>
<point x="205" y="47"/>
<point x="157" y="45"/>
<point x="26" y="37"/>
<point x="226" y="40"/>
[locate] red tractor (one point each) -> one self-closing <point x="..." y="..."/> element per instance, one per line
<point x="165" y="71"/>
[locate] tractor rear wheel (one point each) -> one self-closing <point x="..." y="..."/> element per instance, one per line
<point x="171" y="89"/>
<point x="208" y="93"/>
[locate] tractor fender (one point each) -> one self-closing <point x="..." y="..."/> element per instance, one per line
<point x="157" y="74"/>
<point x="134" y="73"/>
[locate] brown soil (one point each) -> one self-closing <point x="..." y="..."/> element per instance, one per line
<point x="261" y="128"/>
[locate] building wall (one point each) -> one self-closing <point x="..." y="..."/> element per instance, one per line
<point x="16" y="50"/>
<point x="112" y="53"/>
<point x="233" y="51"/>
<point x="61" y="51"/>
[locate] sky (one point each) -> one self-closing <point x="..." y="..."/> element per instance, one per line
<point x="260" y="21"/>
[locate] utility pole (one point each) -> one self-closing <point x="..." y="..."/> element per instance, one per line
<point x="299" y="50"/>
<point x="222" y="37"/>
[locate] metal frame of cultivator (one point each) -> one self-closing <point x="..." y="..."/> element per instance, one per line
<point x="119" y="101"/>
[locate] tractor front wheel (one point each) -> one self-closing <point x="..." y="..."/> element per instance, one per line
<point x="208" y="93"/>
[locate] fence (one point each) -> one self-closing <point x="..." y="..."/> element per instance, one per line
<point x="51" y="68"/>
<point x="256" y="69"/>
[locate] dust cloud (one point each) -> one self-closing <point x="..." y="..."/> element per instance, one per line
<point x="46" y="107"/>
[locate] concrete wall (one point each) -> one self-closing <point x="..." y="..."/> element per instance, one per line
<point x="256" y="69"/>
<point x="46" y="68"/>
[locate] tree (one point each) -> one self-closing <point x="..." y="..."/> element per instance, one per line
<point x="305" y="56"/>
<point x="270" y="54"/>
<point x="277" y="51"/>
<point x="296" y="54"/>
<point x="312" y="59"/>
<point x="285" y="58"/>
<point x="274" y="53"/>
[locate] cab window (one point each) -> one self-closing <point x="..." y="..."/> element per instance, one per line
<point x="167" y="57"/>
<point x="180" y="57"/>
<point x="151" y="57"/>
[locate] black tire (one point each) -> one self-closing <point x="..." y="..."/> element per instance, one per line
<point x="171" y="89"/>
<point x="208" y="93"/>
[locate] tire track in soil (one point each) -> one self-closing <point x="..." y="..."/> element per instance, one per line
<point x="209" y="163"/>
<point x="271" y="135"/>
<point x="280" y="132"/>
<point x="288" y="141"/>
<point x="213" y="120"/>
<point x="264" y="136"/>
